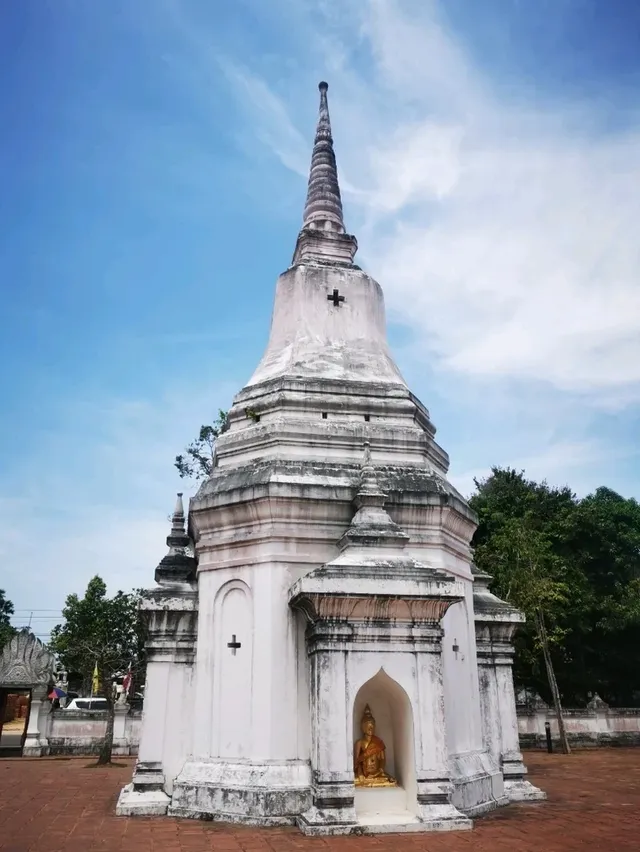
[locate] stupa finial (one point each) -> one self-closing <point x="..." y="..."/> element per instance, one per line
<point x="368" y="480"/>
<point x="323" y="208"/>
<point x="323" y="237"/>
<point x="177" y="519"/>
<point x="371" y="524"/>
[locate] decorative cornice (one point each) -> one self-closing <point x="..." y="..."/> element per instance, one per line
<point x="489" y="608"/>
<point x="372" y="608"/>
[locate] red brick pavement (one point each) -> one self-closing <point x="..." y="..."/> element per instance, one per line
<point x="53" y="804"/>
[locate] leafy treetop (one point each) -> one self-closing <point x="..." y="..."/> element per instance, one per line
<point x="99" y="630"/>
<point x="576" y="562"/>
<point x="197" y="460"/>
<point x="6" y="611"/>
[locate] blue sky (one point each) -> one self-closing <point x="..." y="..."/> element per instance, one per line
<point x="153" y="165"/>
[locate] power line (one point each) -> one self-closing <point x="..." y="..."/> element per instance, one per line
<point x="24" y="616"/>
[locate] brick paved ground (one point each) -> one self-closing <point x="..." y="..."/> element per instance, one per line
<point x="53" y="804"/>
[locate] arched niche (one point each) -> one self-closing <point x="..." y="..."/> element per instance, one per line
<point x="391" y="708"/>
<point x="233" y="617"/>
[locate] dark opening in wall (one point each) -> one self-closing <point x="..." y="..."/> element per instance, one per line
<point x="324" y="415"/>
<point x="367" y="417"/>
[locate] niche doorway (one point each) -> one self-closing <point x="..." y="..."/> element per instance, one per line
<point x="15" y="705"/>
<point x="391" y="709"/>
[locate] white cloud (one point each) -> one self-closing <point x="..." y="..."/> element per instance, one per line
<point x="101" y="503"/>
<point x="503" y="234"/>
<point x="559" y="463"/>
<point x="274" y="127"/>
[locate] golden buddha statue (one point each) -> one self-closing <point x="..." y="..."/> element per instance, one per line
<point x="369" y="756"/>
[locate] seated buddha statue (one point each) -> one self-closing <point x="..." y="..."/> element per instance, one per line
<point x="369" y="756"/>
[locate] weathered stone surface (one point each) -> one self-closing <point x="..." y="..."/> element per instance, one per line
<point x="496" y="622"/>
<point x="333" y="568"/>
<point x="25" y="662"/>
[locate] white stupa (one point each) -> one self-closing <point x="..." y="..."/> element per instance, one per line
<point x="332" y="585"/>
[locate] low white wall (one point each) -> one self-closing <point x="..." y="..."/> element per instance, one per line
<point x="585" y="728"/>
<point x="82" y="731"/>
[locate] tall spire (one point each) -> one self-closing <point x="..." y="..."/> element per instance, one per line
<point x="324" y="206"/>
<point x="178" y="566"/>
<point x="323" y="236"/>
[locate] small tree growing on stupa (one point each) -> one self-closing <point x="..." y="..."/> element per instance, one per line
<point x="198" y="458"/>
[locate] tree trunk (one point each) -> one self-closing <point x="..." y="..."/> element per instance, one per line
<point x="553" y="684"/>
<point x="107" y="746"/>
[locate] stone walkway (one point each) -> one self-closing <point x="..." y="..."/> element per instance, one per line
<point x="54" y="804"/>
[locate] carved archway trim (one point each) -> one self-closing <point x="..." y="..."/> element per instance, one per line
<point x="25" y="662"/>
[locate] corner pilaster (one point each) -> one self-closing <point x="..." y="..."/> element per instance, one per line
<point x="171" y="616"/>
<point x="496" y="623"/>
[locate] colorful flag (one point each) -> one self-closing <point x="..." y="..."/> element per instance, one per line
<point x="126" y="681"/>
<point x="95" y="681"/>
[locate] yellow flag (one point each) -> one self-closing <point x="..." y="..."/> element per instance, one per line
<point x="95" y="683"/>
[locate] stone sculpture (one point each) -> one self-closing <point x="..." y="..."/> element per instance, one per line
<point x="26" y="662"/>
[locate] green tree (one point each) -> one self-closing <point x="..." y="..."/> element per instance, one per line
<point x="6" y="611"/>
<point x="528" y="574"/>
<point x="198" y="458"/>
<point x="602" y="650"/>
<point x="595" y="634"/>
<point x="101" y="632"/>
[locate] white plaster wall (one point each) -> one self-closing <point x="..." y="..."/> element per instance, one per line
<point x="303" y="681"/>
<point x="614" y="721"/>
<point x="74" y="726"/>
<point x="490" y="710"/>
<point x="203" y="723"/>
<point x="247" y="705"/>
<point x="311" y="337"/>
<point x="332" y="746"/>
<point x="178" y="721"/>
<point x="82" y="731"/>
<point x="153" y="713"/>
<point x="507" y="721"/>
<point x="461" y="688"/>
<point x="232" y="672"/>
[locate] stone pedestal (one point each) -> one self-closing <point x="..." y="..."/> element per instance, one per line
<point x="145" y="795"/>
<point x="120" y="741"/>
<point x="243" y="791"/>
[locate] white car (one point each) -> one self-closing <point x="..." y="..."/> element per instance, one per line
<point x="87" y="704"/>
